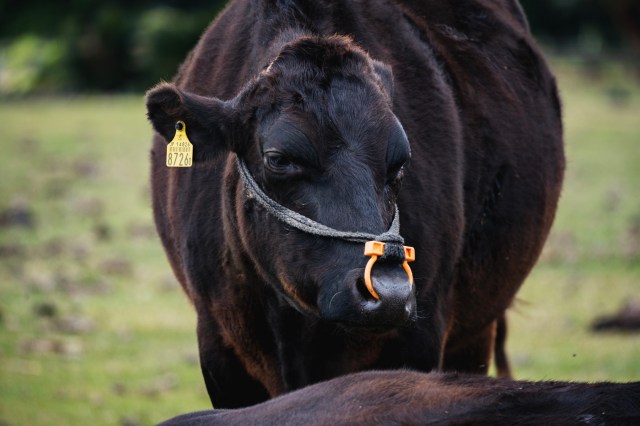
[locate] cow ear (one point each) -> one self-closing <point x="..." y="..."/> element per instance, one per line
<point x="384" y="73"/>
<point x="209" y="121"/>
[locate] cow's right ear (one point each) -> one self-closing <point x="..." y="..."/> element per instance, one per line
<point x="209" y="121"/>
<point x="384" y="73"/>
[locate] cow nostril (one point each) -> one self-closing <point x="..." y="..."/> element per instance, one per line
<point x="364" y="291"/>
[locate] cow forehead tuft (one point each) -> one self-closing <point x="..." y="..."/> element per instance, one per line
<point x="330" y="55"/>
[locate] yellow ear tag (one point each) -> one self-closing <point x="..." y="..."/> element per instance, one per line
<point x="180" y="150"/>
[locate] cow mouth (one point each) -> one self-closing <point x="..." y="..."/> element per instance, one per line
<point x="373" y="327"/>
<point x="363" y="320"/>
<point x="378" y="329"/>
<point x="348" y="303"/>
<point x="380" y="324"/>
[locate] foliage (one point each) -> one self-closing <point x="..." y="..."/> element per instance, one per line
<point x="574" y="22"/>
<point x="30" y="63"/>
<point x="113" y="47"/>
<point x="130" y="45"/>
<point x="161" y="40"/>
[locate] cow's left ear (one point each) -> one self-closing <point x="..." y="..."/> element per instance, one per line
<point x="384" y="73"/>
<point x="209" y="121"/>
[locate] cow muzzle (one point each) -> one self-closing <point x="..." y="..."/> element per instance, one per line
<point x="376" y="250"/>
<point x="390" y="297"/>
<point x="344" y="298"/>
<point x="396" y="302"/>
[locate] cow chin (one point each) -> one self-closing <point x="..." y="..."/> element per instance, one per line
<point x="346" y="300"/>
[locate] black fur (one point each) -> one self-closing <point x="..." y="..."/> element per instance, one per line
<point x="411" y="398"/>
<point x="326" y="101"/>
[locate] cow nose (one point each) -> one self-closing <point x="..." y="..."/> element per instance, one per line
<point x="344" y="298"/>
<point x="396" y="302"/>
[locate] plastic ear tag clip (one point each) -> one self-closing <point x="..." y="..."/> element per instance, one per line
<point x="180" y="149"/>
<point x="375" y="249"/>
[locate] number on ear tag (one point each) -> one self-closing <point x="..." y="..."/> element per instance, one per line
<point x="180" y="149"/>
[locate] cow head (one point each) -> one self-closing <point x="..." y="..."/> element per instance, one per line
<point x="317" y="133"/>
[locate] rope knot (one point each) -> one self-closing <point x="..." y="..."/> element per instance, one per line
<point x="393" y="253"/>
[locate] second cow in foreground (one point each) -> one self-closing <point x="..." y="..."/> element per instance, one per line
<point x="318" y="126"/>
<point x="411" y="398"/>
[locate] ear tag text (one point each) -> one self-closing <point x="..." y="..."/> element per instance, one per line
<point x="180" y="149"/>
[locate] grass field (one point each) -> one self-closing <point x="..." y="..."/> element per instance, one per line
<point x="95" y="330"/>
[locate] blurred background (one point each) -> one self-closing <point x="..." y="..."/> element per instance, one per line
<point x="93" y="326"/>
<point x="72" y="46"/>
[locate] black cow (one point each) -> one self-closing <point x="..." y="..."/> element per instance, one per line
<point x="411" y="398"/>
<point x="307" y="117"/>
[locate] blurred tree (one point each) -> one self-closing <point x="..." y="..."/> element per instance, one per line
<point x="161" y="40"/>
<point x="36" y="62"/>
<point x="566" y="23"/>
<point x="626" y="15"/>
<point x="131" y="44"/>
<point x="115" y="45"/>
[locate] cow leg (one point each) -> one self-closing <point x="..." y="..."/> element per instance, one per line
<point x="227" y="381"/>
<point x="501" y="361"/>
<point x="471" y="355"/>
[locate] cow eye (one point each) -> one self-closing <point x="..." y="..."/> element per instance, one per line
<point x="277" y="162"/>
<point x="395" y="178"/>
<point x="398" y="153"/>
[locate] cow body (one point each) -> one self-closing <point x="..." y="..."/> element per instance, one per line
<point x="341" y="86"/>
<point x="411" y="398"/>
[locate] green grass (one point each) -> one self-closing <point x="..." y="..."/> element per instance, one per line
<point x="591" y="264"/>
<point x="80" y="166"/>
<point x="94" y="328"/>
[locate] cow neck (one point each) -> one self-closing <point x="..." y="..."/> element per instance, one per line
<point x="310" y="226"/>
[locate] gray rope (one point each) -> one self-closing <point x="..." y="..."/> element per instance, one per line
<point x="310" y="226"/>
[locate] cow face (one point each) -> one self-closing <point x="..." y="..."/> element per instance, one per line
<point x="317" y="132"/>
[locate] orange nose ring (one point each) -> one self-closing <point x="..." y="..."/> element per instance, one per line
<point x="375" y="249"/>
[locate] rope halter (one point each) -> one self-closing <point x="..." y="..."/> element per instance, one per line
<point x="387" y="246"/>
